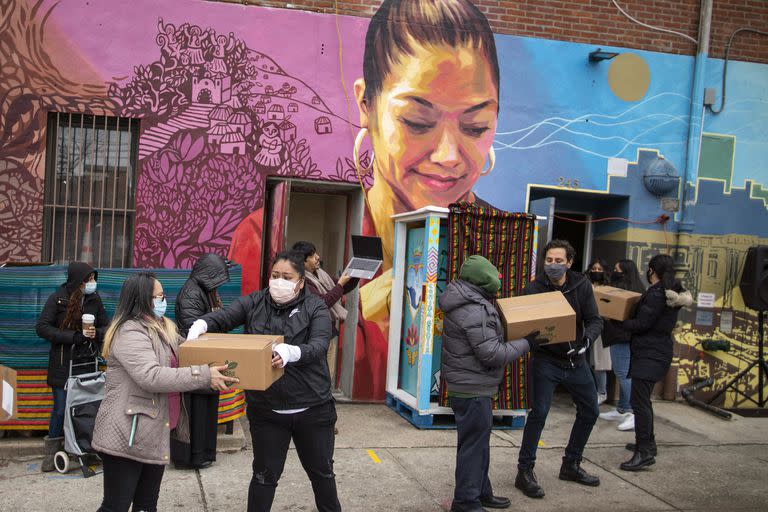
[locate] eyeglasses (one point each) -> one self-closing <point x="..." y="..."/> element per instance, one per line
<point x="160" y="296"/>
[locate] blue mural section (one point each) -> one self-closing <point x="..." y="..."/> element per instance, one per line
<point x="563" y="120"/>
<point x="412" y="312"/>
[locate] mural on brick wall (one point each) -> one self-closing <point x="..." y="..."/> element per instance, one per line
<point x="227" y="98"/>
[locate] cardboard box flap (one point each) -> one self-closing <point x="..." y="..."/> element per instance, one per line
<point x="549" y="313"/>
<point x="237" y="341"/>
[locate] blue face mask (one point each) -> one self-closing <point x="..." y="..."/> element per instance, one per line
<point x="90" y="287"/>
<point x="159" y="307"/>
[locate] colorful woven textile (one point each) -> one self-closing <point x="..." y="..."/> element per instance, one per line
<point x="23" y="292"/>
<point x="506" y="239"/>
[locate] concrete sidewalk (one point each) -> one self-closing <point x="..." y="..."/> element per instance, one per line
<point x="384" y="464"/>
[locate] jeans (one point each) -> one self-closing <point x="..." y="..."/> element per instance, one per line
<point x="620" y="356"/>
<point x="313" y="436"/>
<point x="601" y="381"/>
<point x="56" y="423"/>
<point x="474" y="420"/>
<point x="578" y="381"/>
<point x="127" y="481"/>
<point x="641" y="405"/>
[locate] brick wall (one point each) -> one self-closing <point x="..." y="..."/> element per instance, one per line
<point x="599" y="22"/>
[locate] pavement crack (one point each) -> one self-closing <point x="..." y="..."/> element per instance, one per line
<point x="415" y="477"/>
<point x="202" y="490"/>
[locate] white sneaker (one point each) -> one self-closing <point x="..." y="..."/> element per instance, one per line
<point x="614" y="415"/>
<point x="627" y="424"/>
<point x="601" y="398"/>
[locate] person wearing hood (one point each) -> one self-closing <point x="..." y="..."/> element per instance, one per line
<point x="299" y="406"/>
<point x="474" y="355"/>
<point x="562" y="363"/>
<point x="61" y="323"/>
<point x="651" y="348"/>
<point x="196" y="298"/>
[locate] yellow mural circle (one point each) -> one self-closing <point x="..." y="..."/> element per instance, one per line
<point x="629" y="77"/>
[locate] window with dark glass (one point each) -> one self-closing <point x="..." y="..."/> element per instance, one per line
<point x="90" y="189"/>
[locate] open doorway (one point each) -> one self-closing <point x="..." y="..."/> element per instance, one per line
<point x="326" y="214"/>
<point x="571" y="215"/>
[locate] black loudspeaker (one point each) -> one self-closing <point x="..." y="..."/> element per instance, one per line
<point x="754" y="279"/>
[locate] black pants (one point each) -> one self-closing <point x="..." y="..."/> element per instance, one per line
<point x="127" y="481"/>
<point x="640" y="399"/>
<point x="203" y="422"/>
<point x="474" y="420"/>
<point x="581" y="385"/>
<point x="312" y="434"/>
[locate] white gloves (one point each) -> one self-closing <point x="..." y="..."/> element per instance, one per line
<point x="198" y="327"/>
<point x="288" y="353"/>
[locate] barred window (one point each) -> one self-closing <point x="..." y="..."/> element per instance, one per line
<point x="90" y="189"/>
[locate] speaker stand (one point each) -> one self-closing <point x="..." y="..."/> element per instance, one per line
<point x="762" y="377"/>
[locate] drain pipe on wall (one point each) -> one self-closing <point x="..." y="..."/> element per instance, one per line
<point x="686" y="222"/>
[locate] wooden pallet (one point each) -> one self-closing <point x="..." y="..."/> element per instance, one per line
<point x="446" y="421"/>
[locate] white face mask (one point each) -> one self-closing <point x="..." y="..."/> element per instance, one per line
<point x="282" y="291"/>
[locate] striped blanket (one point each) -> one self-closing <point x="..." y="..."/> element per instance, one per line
<point x="23" y="292"/>
<point x="506" y="240"/>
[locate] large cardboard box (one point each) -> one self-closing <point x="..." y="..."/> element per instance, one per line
<point x="9" y="405"/>
<point x="548" y="313"/>
<point x="615" y="303"/>
<point x="251" y="352"/>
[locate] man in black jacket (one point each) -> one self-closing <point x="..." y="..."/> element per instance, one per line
<point x="562" y="363"/>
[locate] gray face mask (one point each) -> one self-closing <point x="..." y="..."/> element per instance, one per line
<point x="555" y="271"/>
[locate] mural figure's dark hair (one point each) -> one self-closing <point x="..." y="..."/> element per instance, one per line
<point x="305" y="248"/>
<point x="399" y="24"/>
<point x="295" y="258"/>
<point x="630" y="277"/>
<point x="570" y="252"/>
<point x="664" y="267"/>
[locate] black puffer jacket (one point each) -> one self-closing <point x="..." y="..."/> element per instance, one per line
<point x="63" y="341"/>
<point x="651" y="328"/>
<point x="194" y="299"/>
<point x="304" y="322"/>
<point x="578" y="292"/>
<point x="474" y="350"/>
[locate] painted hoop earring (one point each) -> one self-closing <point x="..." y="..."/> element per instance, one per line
<point x="356" y="152"/>
<point x="491" y="162"/>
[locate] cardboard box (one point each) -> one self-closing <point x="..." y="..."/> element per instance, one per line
<point x="548" y="313"/>
<point x="9" y="403"/>
<point x="251" y="352"/>
<point x="616" y="303"/>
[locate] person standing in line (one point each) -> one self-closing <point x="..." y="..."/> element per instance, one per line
<point x="651" y="350"/>
<point x="299" y="406"/>
<point x="616" y="338"/>
<point x="61" y="324"/>
<point x="199" y="296"/>
<point x="599" y="356"/>
<point x="562" y="363"/>
<point x="142" y="409"/>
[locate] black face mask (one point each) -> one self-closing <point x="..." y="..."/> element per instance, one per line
<point x="617" y="276"/>
<point x="596" y="276"/>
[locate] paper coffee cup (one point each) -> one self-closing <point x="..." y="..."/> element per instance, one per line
<point x="88" y="320"/>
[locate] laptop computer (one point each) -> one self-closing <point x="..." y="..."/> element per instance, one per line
<point x="367" y="256"/>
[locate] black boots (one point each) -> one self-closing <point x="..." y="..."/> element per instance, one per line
<point x="641" y="459"/>
<point x="572" y="472"/>
<point x="495" y="502"/>
<point x="651" y="448"/>
<point x="526" y="482"/>
<point x="52" y="445"/>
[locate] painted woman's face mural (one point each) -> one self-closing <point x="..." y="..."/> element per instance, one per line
<point x="432" y="125"/>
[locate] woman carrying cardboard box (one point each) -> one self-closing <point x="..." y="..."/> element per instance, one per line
<point x="299" y="406"/>
<point x="651" y="351"/>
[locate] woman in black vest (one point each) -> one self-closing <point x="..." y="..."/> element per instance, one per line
<point x="61" y="323"/>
